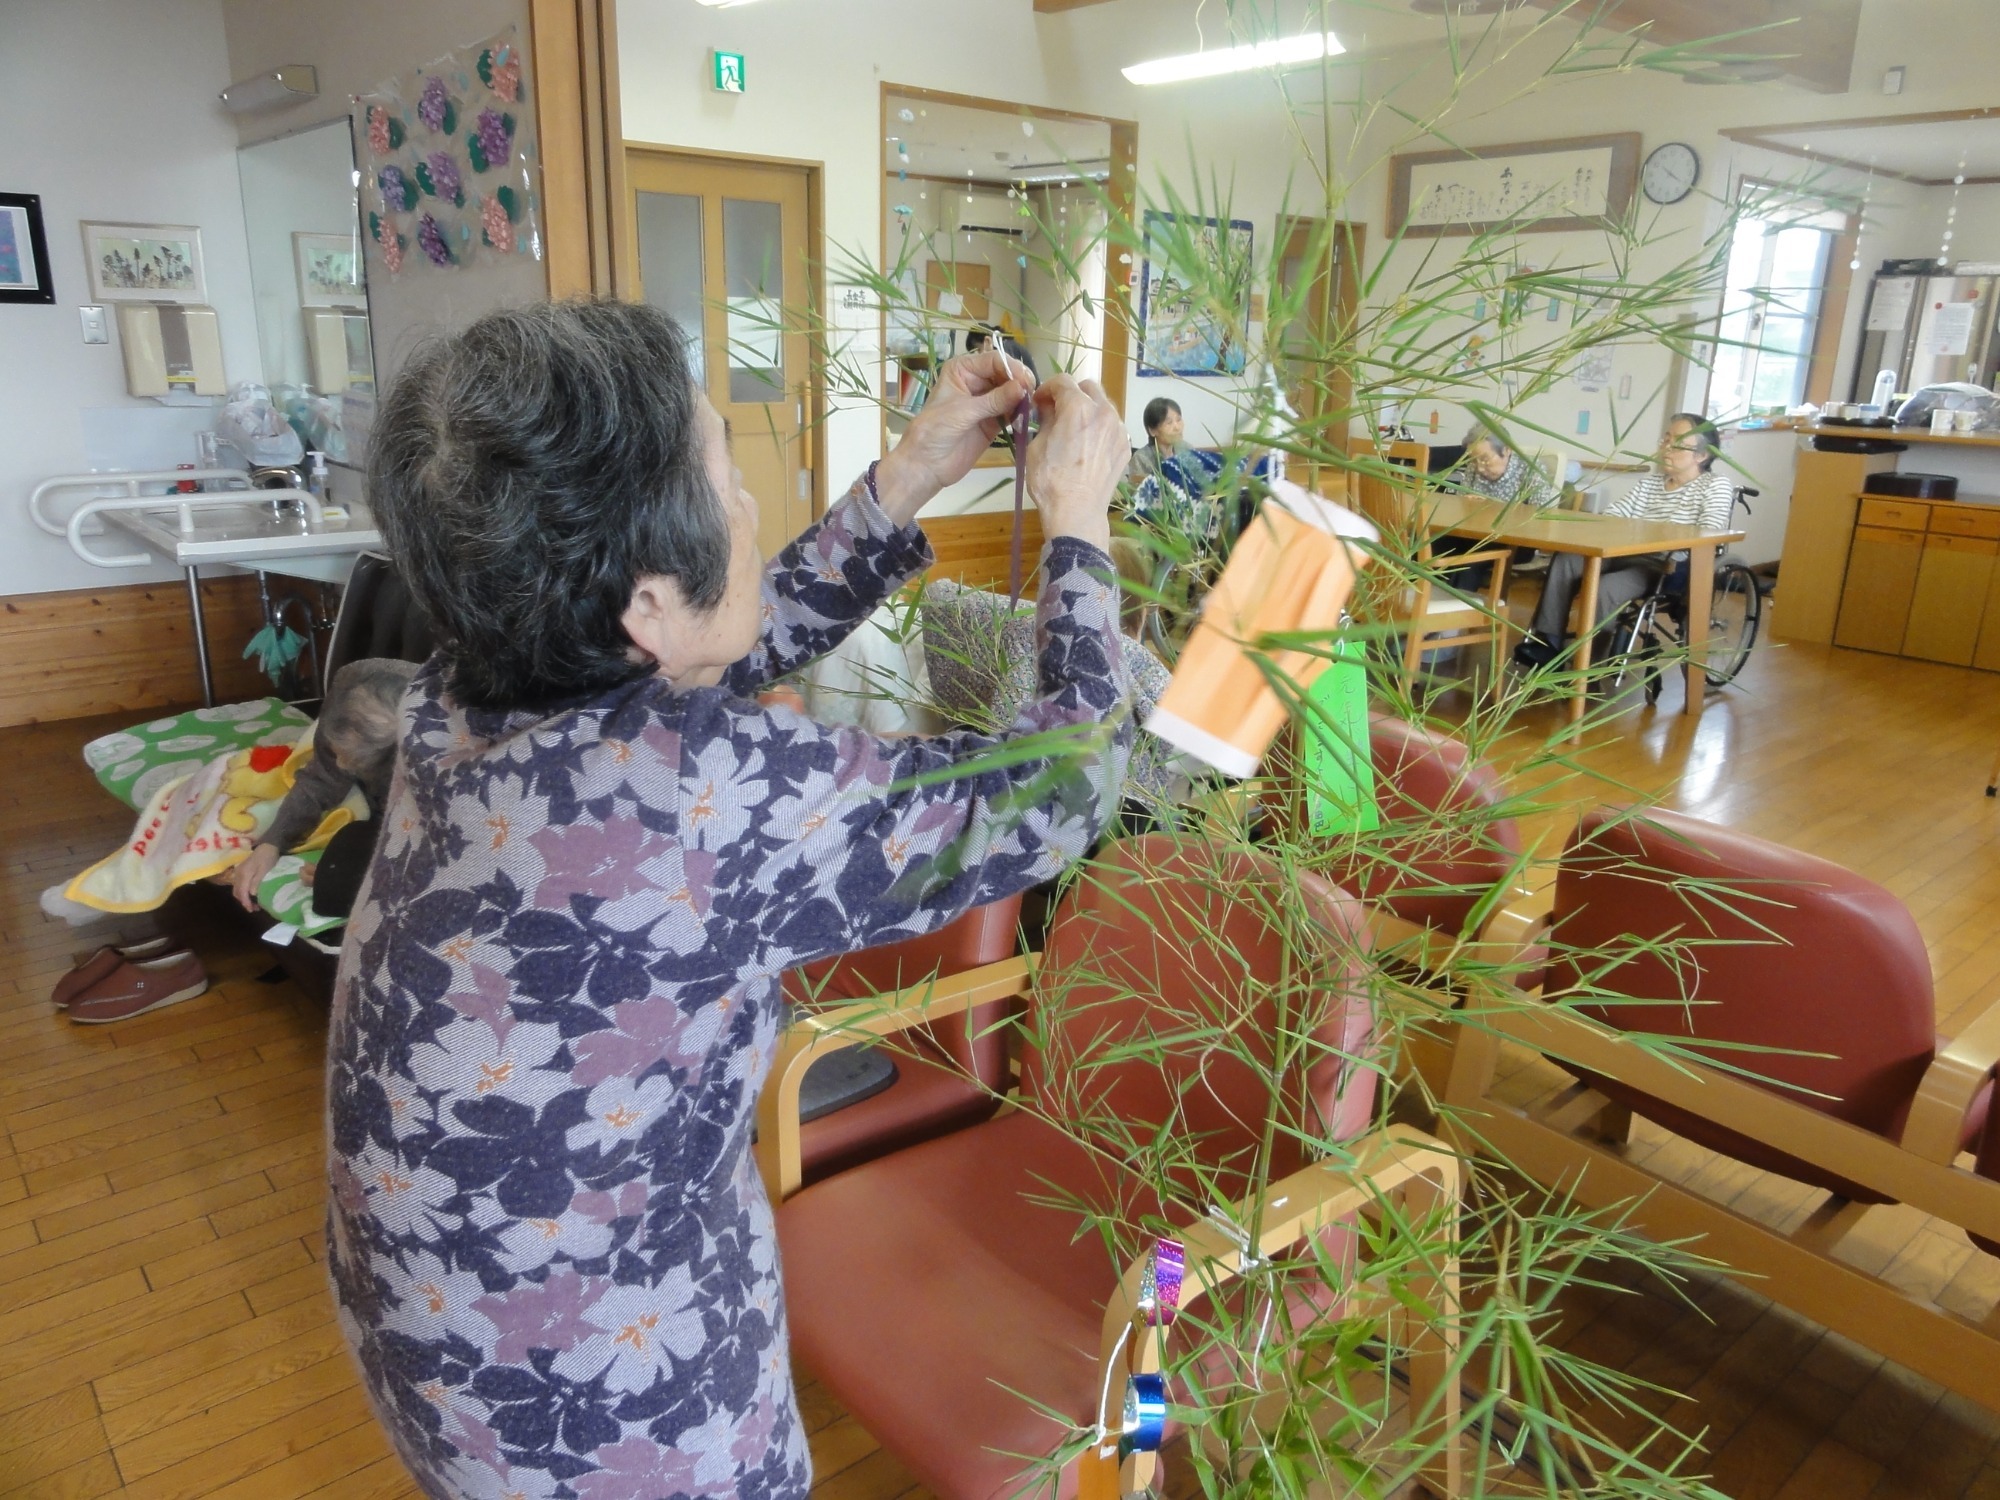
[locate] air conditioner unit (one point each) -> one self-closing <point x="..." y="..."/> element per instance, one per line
<point x="1009" y="231"/>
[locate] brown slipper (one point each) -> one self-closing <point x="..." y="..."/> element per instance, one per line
<point x="132" y="989"/>
<point x="94" y="968"/>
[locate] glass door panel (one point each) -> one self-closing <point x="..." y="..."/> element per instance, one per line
<point x="754" y="275"/>
<point x="670" y="265"/>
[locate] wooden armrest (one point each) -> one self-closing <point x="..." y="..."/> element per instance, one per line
<point x="813" y="1036"/>
<point x="1285" y="1212"/>
<point x="1949" y="1084"/>
<point x="1516" y="924"/>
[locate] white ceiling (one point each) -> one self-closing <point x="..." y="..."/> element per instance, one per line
<point x="943" y="140"/>
<point x="1924" y="150"/>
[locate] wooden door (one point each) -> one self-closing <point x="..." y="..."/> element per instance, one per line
<point x="1950" y="597"/>
<point x="720" y="246"/>
<point x="1881" y="579"/>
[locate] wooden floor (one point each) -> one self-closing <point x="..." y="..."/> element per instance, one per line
<point x="165" y="1318"/>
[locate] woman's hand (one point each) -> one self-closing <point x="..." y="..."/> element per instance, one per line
<point x="250" y="874"/>
<point x="973" y="396"/>
<point x="1077" y="459"/>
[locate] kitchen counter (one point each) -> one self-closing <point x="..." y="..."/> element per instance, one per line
<point x="1910" y="435"/>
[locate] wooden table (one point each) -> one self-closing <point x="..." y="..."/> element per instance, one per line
<point x="1594" y="538"/>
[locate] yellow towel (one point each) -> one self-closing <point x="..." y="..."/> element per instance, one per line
<point x="200" y="825"/>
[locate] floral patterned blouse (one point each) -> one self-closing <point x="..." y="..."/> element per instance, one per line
<point x="552" y="1252"/>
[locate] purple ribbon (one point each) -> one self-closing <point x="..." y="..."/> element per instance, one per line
<point x="1020" y="497"/>
<point x="1160" y="1282"/>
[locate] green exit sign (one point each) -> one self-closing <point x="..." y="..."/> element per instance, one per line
<point x="729" y="74"/>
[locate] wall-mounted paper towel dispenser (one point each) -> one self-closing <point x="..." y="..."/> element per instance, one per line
<point x="171" y="349"/>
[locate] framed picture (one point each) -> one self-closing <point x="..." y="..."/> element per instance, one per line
<point x="24" y="253"/>
<point x="329" y="269"/>
<point x="144" y="262"/>
<point x="1536" y="187"/>
<point x="1194" y="295"/>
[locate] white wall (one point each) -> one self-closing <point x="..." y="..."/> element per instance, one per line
<point x="108" y="111"/>
<point x="814" y="95"/>
<point x="814" y="79"/>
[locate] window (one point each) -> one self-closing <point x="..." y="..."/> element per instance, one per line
<point x="1773" y="304"/>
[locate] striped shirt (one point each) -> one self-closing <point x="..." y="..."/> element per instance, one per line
<point x="1704" y="501"/>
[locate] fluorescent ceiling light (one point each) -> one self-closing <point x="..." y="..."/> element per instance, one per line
<point x="1278" y="53"/>
<point x="722" y="4"/>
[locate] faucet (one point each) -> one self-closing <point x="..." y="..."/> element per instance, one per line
<point x="278" y="477"/>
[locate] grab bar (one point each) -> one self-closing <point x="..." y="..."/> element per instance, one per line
<point x="130" y="480"/>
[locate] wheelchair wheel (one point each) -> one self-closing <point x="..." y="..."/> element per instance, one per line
<point x="1735" y="611"/>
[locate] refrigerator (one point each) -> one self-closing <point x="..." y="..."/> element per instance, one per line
<point x="1929" y="329"/>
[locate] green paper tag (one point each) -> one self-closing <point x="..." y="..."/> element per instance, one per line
<point x="1340" y="773"/>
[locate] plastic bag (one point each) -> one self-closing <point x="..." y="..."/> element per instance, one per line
<point x="1949" y="395"/>
<point x="252" y="424"/>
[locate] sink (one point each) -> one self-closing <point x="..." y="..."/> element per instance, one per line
<point x="248" y="534"/>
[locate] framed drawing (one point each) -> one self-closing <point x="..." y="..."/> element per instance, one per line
<point x="1536" y="187"/>
<point x="329" y="269"/>
<point x="1187" y="328"/>
<point x="144" y="263"/>
<point x="24" y="253"/>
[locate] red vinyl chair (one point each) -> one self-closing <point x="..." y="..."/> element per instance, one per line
<point x="936" y="1295"/>
<point x="1805" y="974"/>
<point x="1425" y="874"/>
<point x="949" y="1076"/>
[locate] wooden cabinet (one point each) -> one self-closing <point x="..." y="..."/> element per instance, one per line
<point x="1818" y="529"/>
<point x="1922" y="578"/>
<point x="1900" y="515"/>
<point x="1966" y="520"/>
<point x="1882" y="570"/>
<point x="1952" y="584"/>
<point x="1986" y="653"/>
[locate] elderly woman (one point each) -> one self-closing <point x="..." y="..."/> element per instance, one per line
<point x="1684" y="489"/>
<point x="1493" y="470"/>
<point x="552" y="1252"/>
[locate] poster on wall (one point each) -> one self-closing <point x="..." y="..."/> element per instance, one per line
<point x="1194" y="295"/>
<point x="24" y="253"/>
<point x="448" y="162"/>
<point x="144" y="263"/>
<point x="328" y="267"/>
<point x="1536" y="187"/>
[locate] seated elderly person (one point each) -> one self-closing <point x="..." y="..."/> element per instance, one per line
<point x="559" y="994"/>
<point x="354" y="746"/>
<point x="1685" y="489"/>
<point x="1491" y="470"/>
<point x="980" y="659"/>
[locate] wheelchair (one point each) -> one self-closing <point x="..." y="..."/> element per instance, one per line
<point x="1649" y="629"/>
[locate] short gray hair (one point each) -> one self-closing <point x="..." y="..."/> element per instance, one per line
<point x="362" y="717"/>
<point x="527" y="472"/>
<point x="1482" y="434"/>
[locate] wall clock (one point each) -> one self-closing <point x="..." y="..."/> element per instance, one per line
<point x="1670" y="172"/>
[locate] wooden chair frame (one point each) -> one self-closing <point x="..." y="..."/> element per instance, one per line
<point x="1574" y="1141"/>
<point x="1485" y="624"/>
<point x="1398" y="1164"/>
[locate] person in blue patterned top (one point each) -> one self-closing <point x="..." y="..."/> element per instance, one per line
<point x="558" y="999"/>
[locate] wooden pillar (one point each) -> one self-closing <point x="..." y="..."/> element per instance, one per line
<point x="583" y="146"/>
